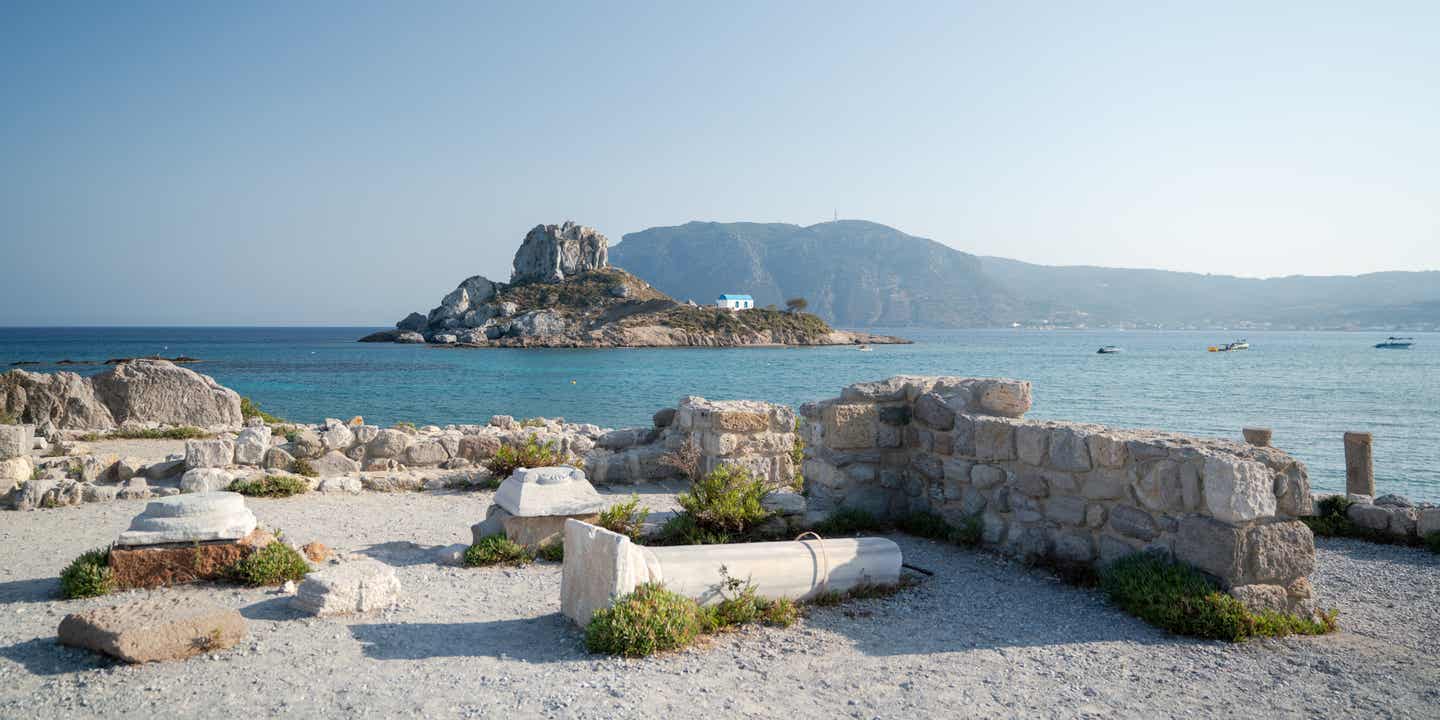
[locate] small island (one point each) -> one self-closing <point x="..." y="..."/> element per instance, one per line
<point x="564" y="293"/>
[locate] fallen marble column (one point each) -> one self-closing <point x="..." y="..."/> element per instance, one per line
<point x="600" y="566"/>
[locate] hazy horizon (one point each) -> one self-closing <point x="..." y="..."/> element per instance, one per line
<point x="337" y="164"/>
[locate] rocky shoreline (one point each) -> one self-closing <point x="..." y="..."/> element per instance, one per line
<point x="564" y="294"/>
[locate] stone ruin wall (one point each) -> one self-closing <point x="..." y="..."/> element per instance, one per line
<point x="1063" y="492"/>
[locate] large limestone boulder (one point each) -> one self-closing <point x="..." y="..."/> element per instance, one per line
<point x="160" y="391"/>
<point x="191" y="518"/>
<point x="209" y="453"/>
<point x="552" y="253"/>
<point x="471" y="294"/>
<point x="205" y="480"/>
<point x="15" y="441"/>
<point x="152" y="629"/>
<point x="357" y="586"/>
<point x="251" y="445"/>
<point x="54" y="400"/>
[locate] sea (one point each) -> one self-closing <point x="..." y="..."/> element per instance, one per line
<point x="1309" y="387"/>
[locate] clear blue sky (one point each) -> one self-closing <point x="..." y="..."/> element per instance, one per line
<point x="348" y="162"/>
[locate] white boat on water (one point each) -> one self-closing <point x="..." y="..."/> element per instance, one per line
<point x="866" y="348"/>
<point x="1396" y="343"/>
<point x="1231" y="346"/>
<point x="1109" y="350"/>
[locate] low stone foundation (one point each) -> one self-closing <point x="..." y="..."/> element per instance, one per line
<point x="1063" y="492"/>
<point x="153" y="566"/>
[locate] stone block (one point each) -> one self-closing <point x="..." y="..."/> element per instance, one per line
<point x="1025" y="508"/>
<point x="548" y="491"/>
<point x="307" y="444"/>
<point x="1279" y="552"/>
<point x="387" y="443"/>
<point x="1075" y="546"/>
<point x="277" y="459"/>
<point x="1238" y="490"/>
<point x="740" y="421"/>
<point x="1133" y="522"/>
<point x="1000" y="499"/>
<point x="251" y="445"/>
<point x="205" y="480"/>
<point x="1159" y="487"/>
<point x="928" y="466"/>
<point x="356" y="586"/>
<point x="1374" y="517"/>
<point x="1261" y="598"/>
<point x="337" y="437"/>
<point x="1190" y="491"/>
<point x="919" y="439"/>
<point x="973" y="501"/>
<point x="962" y="438"/>
<point x="15" y="441"/>
<point x="1004" y="397"/>
<point x="899" y="415"/>
<point x="1066" y="510"/>
<point x="850" y="426"/>
<point x="155" y="566"/>
<point x="478" y="448"/>
<point x="994" y="440"/>
<point x="784" y="502"/>
<point x="987" y="476"/>
<point x="1105" y="483"/>
<point x="1428" y="522"/>
<point x="1031" y="442"/>
<point x="15" y="471"/>
<point x="190" y="518"/>
<point x="424" y="454"/>
<point x="1215" y="547"/>
<point x="932" y="410"/>
<point x="1095" y="515"/>
<point x="992" y="528"/>
<point x="339" y="485"/>
<point x="154" y="629"/>
<point x="1031" y="482"/>
<point x="209" y="453"/>
<point x="1113" y="548"/>
<point x="1069" y="450"/>
<point x="1107" y="450"/>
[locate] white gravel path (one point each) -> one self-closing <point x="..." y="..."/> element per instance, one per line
<point x="983" y="638"/>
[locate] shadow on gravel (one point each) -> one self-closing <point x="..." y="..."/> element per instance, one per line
<point x="544" y="639"/>
<point x="402" y="553"/>
<point x="273" y="609"/>
<point x="35" y="590"/>
<point x="46" y="656"/>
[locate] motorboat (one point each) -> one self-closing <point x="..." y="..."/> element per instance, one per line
<point x="1109" y="350"/>
<point x="1230" y="346"/>
<point x="1396" y="343"/>
<point x="866" y="348"/>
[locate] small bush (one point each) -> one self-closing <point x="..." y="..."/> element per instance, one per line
<point x="270" y="565"/>
<point x="497" y="550"/>
<point x="271" y="486"/>
<point x="969" y="532"/>
<point x="781" y="613"/>
<point x="848" y="522"/>
<point x="183" y="432"/>
<point x="727" y="500"/>
<point x="404" y="425"/>
<point x="626" y="518"/>
<point x="303" y="468"/>
<point x="248" y="409"/>
<point x="649" y="620"/>
<point x="1332" y="519"/>
<point x="1432" y="542"/>
<point x="554" y="552"/>
<point x="684" y="460"/>
<point x="534" y="422"/>
<point x="87" y="576"/>
<point x="926" y="525"/>
<point x="532" y="454"/>
<point x="684" y="530"/>
<point x="1178" y="598"/>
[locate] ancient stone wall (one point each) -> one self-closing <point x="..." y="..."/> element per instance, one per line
<point x="1068" y="492"/>
<point x="755" y="435"/>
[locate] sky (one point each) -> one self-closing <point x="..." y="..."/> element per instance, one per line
<point x="349" y="162"/>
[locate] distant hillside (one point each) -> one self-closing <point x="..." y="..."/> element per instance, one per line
<point x="853" y="273"/>
<point x="856" y="273"/>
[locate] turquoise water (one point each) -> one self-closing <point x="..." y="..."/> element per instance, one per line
<point x="1309" y="387"/>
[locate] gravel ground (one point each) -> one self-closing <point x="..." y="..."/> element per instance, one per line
<point x="983" y="637"/>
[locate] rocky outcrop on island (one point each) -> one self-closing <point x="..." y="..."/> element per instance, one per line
<point x="131" y="393"/>
<point x="564" y="293"/>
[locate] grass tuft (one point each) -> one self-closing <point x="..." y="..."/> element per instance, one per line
<point x="271" y="486"/>
<point x="183" y="432"/>
<point x="554" y="552"/>
<point x="1178" y="598"/>
<point x="497" y="550"/>
<point x="87" y="576"/>
<point x="270" y="565"/>
<point x="302" y="467"/>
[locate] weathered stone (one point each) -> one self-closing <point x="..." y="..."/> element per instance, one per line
<point x="1025" y="508"/>
<point x="157" y="391"/>
<point x="251" y="445"/>
<point x="928" y="466"/>
<point x="987" y="476"/>
<point x="850" y="426"/>
<point x="334" y="463"/>
<point x="277" y="459"/>
<point x="1133" y="522"/>
<point x="306" y="444"/>
<point x="191" y="518"/>
<point x="153" y="566"/>
<point x="1066" y="510"/>
<point x="15" y="441"/>
<point x="1373" y="517"/>
<point x="163" y="469"/>
<point x="14" y="471"/>
<point x="478" y="448"/>
<point x="1215" y="547"/>
<point x="663" y="417"/>
<point x="316" y="551"/>
<point x="1095" y="515"/>
<point x="560" y="490"/>
<point x="1260" y="598"/>
<point x="1238" y="490"/>
<point x="1428" y="522"/>
<point x="992" y="529"/>
<point x="1279" y="552"/>
<point x="973" y="501"/>
<point x="340" y="485"/>
<point x="931" y="409"/>
<point x="388" y="443"/>
<point x="784" y="502"/>
<point x="1259" y="437"/>
<point x="1004" y="397"/>
<point x="1031" y="441"/>
<point x="1105" y="483"/>
<point x="1074" y="546"/>
<point x="337" y="437"/>
<point x="209" y="453"/>
<point x="391" y="481"/>
<point x="900" y="415"/>
<point x="994" y="440"/>
<point x="1107" y="450"/>
<point x="1159" y="486"/>
<point x="355" y="586"/>
<point x="1068" y="450"/>
<point x="154" y="629"/>
<point x="1031" y="482"/>
<point x="205" y="480"/>
<point x="1113" y="548"/>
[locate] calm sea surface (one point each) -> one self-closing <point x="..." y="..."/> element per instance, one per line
<point x="1309" y="387"/>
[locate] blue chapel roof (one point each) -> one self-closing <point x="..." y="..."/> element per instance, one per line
<point x="728" y="296"/>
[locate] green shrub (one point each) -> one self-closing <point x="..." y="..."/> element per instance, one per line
<point x="969" y="532"/>
<point x="404" y="425"/>
<point x="726" y="500"/>
<point x="649" y="620"/>
<point x="780" y="613"/>
<point x="848" y="522"/>
<point x="926" y="525"/>
<point x="497" y="550"/>
<point x="531" y="454"/>
<point x="1178" y="598"/>
<point x="248" y="409"/>
<point x="302" y="467"/>
<point x="1432" y="542"/>
<point x="626" y="518"/>
<point x="1332" y="519"/>
<point x="534" y="422"/>
<point x="87" y="576"/>
<point x="684" y="530"/>
<point x="271" y="486"/>
<point x="8" y="418"/>
<point x="184" y="432"/>
<point x="270" y="565"/>
<point x="554" y="552"/>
